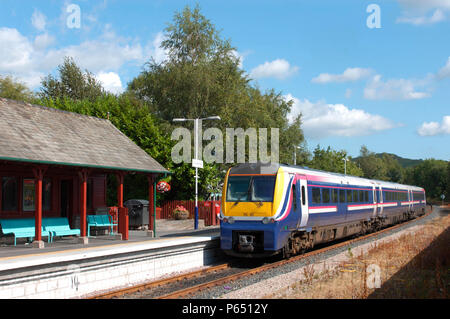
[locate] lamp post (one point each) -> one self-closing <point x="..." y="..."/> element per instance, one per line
<point x="295" y="154"/>
<point x="345" y="165"/>
<point x="196" y="162"/>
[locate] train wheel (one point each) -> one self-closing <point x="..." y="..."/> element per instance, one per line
<point x="287" y="250"/>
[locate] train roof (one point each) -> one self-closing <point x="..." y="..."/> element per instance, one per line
<point x="272" y="168"/>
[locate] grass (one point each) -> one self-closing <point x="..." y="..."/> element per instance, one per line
<point x="413" y="265"/>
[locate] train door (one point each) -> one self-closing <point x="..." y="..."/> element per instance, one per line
<point x="295" y="194"/>
<point x="375" y="206"/>
<point x="380" y="201"/>
<point x="302" y="190"/>
<point x="410" y="200"/>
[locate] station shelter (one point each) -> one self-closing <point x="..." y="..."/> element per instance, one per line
<point x="55" y="163"/>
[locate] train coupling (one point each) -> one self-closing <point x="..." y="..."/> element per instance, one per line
<point x="246" y="243"/>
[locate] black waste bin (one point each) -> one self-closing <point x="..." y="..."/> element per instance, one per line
<point x="137" y="212"/>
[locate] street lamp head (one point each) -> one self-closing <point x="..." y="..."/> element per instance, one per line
<point x="178" y="120"/>
<point x="216" y="117"/>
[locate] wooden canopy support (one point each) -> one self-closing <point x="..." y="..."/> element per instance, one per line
<point x="38" y="173"/>
<point x="83" y="174"/>
<point x="123" y="212"/>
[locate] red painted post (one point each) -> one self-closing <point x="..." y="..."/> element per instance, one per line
<point x="83" y="174"/>
<point x="123" y="212"/>
<point x="120" y="178"/>
<point x="123" y="222"/>
<point x="38" y="176"/>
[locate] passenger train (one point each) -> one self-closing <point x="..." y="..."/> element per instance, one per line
<point x="274" y="208"/>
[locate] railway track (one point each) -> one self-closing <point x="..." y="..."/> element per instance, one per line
<point x="210" y="274"/>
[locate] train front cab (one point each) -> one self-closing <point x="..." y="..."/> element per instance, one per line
<point x="259" y="212"/>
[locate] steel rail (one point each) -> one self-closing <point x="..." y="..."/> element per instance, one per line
<point x="245" y="273"/>
<point x="158" y="283"/>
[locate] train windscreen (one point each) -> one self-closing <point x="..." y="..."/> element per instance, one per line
<point x="250" y="188"/>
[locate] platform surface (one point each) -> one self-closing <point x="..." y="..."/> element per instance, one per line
<point x="69" y="248"/>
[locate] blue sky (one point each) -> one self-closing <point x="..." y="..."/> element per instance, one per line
<point x="387" y="88"/>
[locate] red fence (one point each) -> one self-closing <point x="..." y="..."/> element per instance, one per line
<point x="206" y="210"/>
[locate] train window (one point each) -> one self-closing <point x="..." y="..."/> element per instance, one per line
<point x="349" y="196"/>
<point x="342" y="196"/>
<point x="366" y="196"/>
<point x="356" y="196"/>
<point x="334" y="195"/>
<point x="303" y="195"/>
<point x="316" y="195"/>
<point x="326" y="195"/>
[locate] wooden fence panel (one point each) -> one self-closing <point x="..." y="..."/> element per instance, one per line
<point x="204" y="212"/>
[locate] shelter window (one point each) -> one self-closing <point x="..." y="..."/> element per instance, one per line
<point x="46" y="194"/>
<point x="9" y="193"/>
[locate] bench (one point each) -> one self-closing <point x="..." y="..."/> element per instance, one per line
<point x="99" y="221"/>
<point x="22" y="228"/>
<point x="59" y="226"/>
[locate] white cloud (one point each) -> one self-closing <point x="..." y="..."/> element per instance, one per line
<point x="444" y="72"/>
<point x="38" y="20"/>
<point x="15" y="51"/>
<point x="30" y="59"/>
<point x="279" y="69"/>
<point x="437" y="16"/>
<point x="417" y="12"/>
<point x="349" y="75"/>
<point x="111" y="82"/>
<point x="42" y="41"/>
<point x="435" y="128"/>
<point x="394" y="89"/>
<point x="321" y="119"/>
<point x="421" y="5"/>
<point x="154" y="49"/>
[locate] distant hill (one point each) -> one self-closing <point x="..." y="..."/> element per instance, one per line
<point x="404" y="162"/>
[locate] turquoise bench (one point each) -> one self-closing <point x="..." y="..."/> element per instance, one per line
<point x="99" y="221"/>
<point x="22" y="228"/>
<point x="59" y="226"/>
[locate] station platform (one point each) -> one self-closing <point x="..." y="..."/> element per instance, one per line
<point x="69" y="269"/>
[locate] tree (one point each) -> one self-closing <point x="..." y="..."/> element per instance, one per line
<point x="393" y="169"/>
<point x="201" y="77"/>
<point x="72" y="83"/>
<point x="371" y="165"/>
<point x="432" y="175"/>
<point x="15" y="90"/>
<point x="333" y="161"/>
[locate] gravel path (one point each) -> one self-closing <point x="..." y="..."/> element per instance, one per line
<point x="273" y="280"/>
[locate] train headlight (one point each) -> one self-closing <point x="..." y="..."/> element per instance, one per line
<point x="231" y="220"/>
<point x="267" y="220"/>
